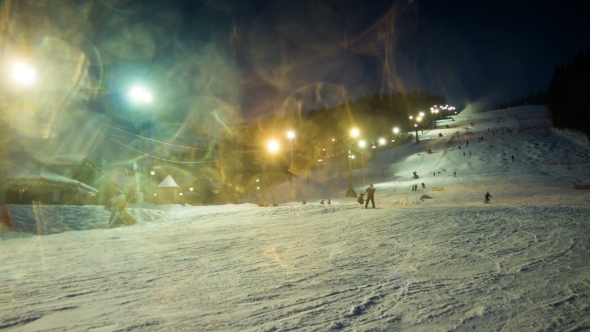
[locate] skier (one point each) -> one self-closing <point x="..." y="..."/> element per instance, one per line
<point x="370" y="196"/>
<point x="487" y="196"/>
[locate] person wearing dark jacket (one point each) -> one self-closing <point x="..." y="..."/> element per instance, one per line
<point x="487" y="197"/>
<point x="370" y="196"/>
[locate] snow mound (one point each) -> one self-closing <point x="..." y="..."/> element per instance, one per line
<point x="53" y="219"/>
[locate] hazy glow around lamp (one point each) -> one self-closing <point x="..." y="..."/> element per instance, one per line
<point x="139" y="94"/>
<point x="23" y="73"/>
<point x="273" y="146"/>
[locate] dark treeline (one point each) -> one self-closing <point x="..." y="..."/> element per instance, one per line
<point x="325" y="132"/>
<point x="569" y="94"/>
<point x="532" y="98"/>
<point x="375" y="115"/>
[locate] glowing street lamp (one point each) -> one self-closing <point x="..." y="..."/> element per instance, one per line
<point x="382" y="141"/>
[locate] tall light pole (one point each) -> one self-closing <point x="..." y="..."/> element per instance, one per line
<point x="396" y="131"/>
<point x="350" y="192"/>
<point x="333" y="146"/>
<point x="152" y="172"/>
<point x="141" y="96"/>
<point x="382" y="142"/>
<point x="271" y="148"/>
<point x="434" y="110"/>
<point x="21" y="75"/>
<point x="291" y="136"/>
<point x="418" y="120"/>
<point x="362" y="145"/>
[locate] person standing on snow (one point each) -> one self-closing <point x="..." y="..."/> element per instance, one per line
<point x="370" y="196"/>
<point x="487" y="197"/>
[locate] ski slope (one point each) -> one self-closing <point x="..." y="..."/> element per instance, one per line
<point x="443" y="262"/>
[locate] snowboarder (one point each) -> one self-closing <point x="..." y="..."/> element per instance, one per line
<point x="423" y="186"/>
<point x="454" y="174"/>
<point x="370" y="196"/>
<point x="329" y="201"/>
<point x="361" y="198"/>
<point x="512" y="157"/>
<point x="304" y="202"/>
<point x="467" y="144"/>
<point x="322" y="202"/>
<point x="415" y="175"/>
<point x="487" y="197"/>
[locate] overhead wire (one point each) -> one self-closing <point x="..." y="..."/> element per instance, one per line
<point x="170" y="144"/>
<point x="153" y="140"/>
<point x="159" y="158"/>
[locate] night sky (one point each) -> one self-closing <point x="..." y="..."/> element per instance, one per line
<point x="252" y="58"/>
<point x="467" y="51"/>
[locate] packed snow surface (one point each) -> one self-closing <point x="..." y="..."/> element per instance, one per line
<point x="445" y="261"/>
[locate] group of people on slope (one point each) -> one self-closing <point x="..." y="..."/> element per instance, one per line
<point x="370" y="196"/>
